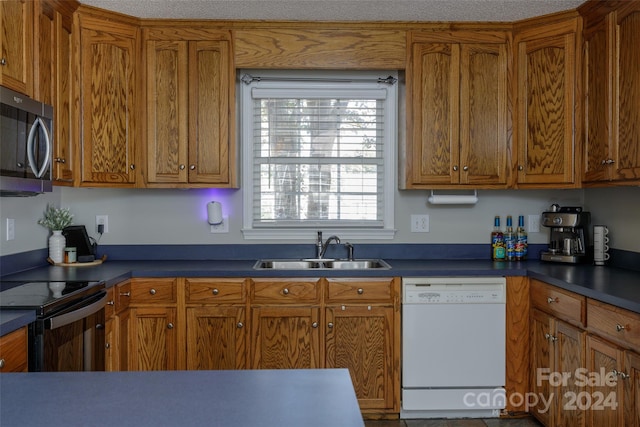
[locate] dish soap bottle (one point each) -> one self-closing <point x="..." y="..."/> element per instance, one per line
<point x="510" y="240"/>
<point x="497" y="241"/>
<point x="521" y="240"/>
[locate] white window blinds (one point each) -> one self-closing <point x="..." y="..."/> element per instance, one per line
<point x="318" y="150"/>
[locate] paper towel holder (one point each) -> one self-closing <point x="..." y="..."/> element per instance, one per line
<point x="453" y="198"/>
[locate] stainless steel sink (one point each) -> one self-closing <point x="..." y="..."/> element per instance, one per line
<point x="320" y="264"/>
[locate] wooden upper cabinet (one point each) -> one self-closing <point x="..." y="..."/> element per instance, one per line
<point x="108" y="102"/>
<point x="546" y="123"/>
<point x="457" y="110"/>
<point x="190" y="103"/>
<point x="53" y="81"/>
<point x="16" y="43"/>
<point x="612" y="107"/>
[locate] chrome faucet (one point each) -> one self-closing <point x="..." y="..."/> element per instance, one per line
<point x="321" y="248"/>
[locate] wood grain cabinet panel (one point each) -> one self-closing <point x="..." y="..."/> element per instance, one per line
<point x="108" y="102"/>
<point x="190" y="108"/>
<point x="16" y="44"/>
<point x="457" y="105"/>
<point x="153" y="338"/>
<point x="546" y="122"/>
<point x="14" y="351"/>
<point x="612" y="90"/>
<point x="562" y="304"/>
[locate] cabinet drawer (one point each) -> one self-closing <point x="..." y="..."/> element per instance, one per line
<point x="562" y="304"/>
<point x="212" y="291"/>
<point x="364" y="290"/>
<point x="13" y="351"/>
<point x="284" y="291"/>
<point x="151" y="291"/>
<point x="613" y="323"/>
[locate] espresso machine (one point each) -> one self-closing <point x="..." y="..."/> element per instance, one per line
<point x="569" y="240"/>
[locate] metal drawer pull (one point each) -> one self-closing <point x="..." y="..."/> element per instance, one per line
<point x="360" y="291"/>
<point x="2" y="363"/>
<point x="551" y="300"/>
<point x="240" y="325"/>
<point x="152" y="291"/>
<point x="215" y="291"/>
<point x="622" y="375"/>
<point x="550" y="337"/>
<point x="285" y="291"/>
<point x="107" y="345"/>
<point x="314" y="325"/>
<point x="125" y="294"/>
<point x="112" y="302"/>
<point x="170" y="326"/>
<point x="330" y="325"/>
<point x="620" y="328"/>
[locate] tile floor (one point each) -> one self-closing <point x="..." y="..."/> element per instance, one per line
<point x="493" y="422"/>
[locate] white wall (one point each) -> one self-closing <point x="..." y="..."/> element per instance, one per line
<point x="156" y="216"/>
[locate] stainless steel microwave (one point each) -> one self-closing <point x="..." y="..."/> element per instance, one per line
<point x="26" y="142"/>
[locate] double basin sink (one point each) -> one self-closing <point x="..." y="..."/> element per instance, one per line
<point x="321" y="264"/>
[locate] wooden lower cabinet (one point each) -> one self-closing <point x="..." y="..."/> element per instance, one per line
<point x="285" y="338"/>
<point x="154" y="344"/>
<point x="14" y="351"/>
<point x="216" y="337"/>
<point x="605" y="360"/>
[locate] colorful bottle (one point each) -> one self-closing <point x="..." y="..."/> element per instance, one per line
<point x="497" y="242"/>
<point x="521" y="240"/>
<point x="510" y="240"/>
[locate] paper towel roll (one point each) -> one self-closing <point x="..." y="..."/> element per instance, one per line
<point x="453" y="199"/>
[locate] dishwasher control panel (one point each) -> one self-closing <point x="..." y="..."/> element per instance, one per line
<point x="454" y="291"/>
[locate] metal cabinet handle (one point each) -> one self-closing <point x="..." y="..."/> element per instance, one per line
<point x="610" y="161"/>
<point x="455" y="167"/>
<point x="2" y="360"/>
<point x="182" y="167"/>
<point x="285" y="291"/>
<point x="3" y="61"/>
<point x="192" y="167"/>
<point x="240" y="325"/>
<point x="360" y="291"/>
<point x="620" y="328"/>
<point x="520" y="167"/>
<point x="215" y="291"/>
<point x="125" y="294"/>
<point x="330" y="325"/>
<point x="99" y="326"/>
<point x="551" y="300"/>
<point x="170" y="326"/>
<point x="314" y="325"/>
<point x="132" y="166"/>
<point x="152" y="291"/>
<point x="551" y="337"/>
<point x="465" y="168"/>
<point x="107" y="345"/>
<point x="112" y="302"/>
<point x="622" y="375"/>
<point x="59" y="160"/>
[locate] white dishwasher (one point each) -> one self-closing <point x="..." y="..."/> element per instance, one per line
<point x="453" y="347"/>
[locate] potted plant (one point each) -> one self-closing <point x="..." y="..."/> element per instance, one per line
<point x="56" y="219"/>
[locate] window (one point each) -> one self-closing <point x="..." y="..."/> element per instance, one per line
<point x="318" y="153"/>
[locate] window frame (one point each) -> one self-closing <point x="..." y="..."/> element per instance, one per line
<point x="271" y="78"/>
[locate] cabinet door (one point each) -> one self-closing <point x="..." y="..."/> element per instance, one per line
<point x="483" y="114"/>
<point x="435" y="122"/>
<point x="285" y="338"/>
<point x="569" y="343"/>
<point x="632" y="390"/>
<point x="605" y="360"/>
<point x="153" y="339"/>
<point x="541" y="362"/>
<point x="627" y="90"/>
<point x="216" y="338"/>
<point x="16" y="43"/>
<point x="14" y="351"/>
<point x="52" y="82"/>
<point x="360" y="338"/>
<point x="110" y="346"/>
<point x="598" y="80"/>
<point x="211" y="82"/>
<point x="167" y="115"/>
<point x="108" y="102"/>
<point x="123" y="345"/>
<point x="546" y="100"/>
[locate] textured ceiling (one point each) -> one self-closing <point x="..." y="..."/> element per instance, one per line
<point x="339" y="10"/>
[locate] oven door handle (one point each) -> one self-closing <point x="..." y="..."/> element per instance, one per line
<point x="75" y="315"/>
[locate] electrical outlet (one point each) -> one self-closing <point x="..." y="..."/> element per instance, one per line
<point x="533" y="224"/>
<point x="11" y="229"/>
<point x="223" y="227"/>
<point x="419" y="223"/>
<point x="102" y="220"/>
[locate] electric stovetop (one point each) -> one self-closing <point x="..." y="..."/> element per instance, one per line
<point x="46" y="297"/>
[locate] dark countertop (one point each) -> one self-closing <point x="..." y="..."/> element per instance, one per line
<point x="278" y="398"/>
<point x="620" y="287"/>
<point x="11" y="320"/>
